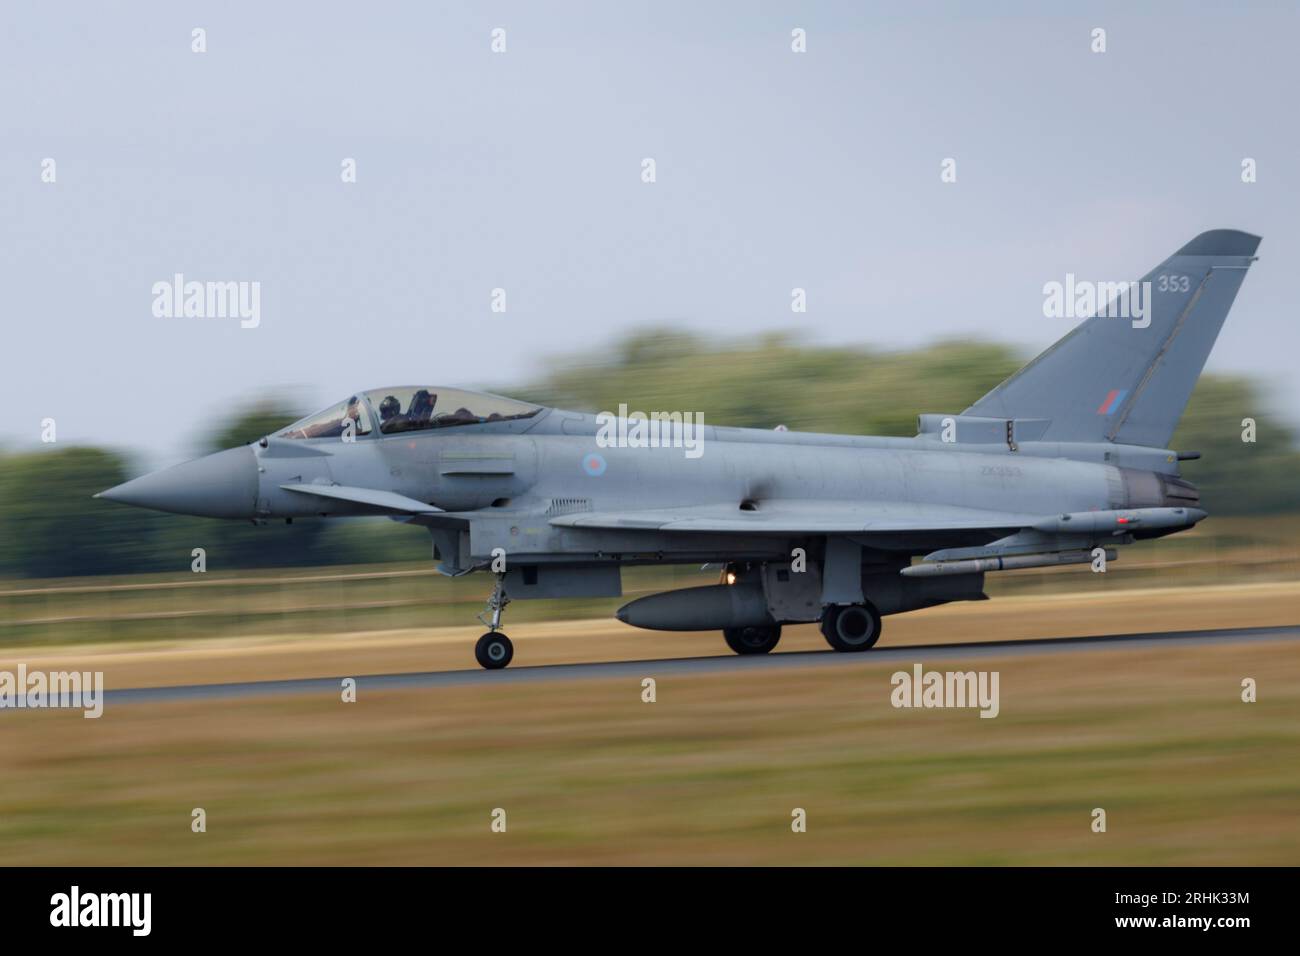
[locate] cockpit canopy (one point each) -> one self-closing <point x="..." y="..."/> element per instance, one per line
<point x="415" y="408"/>
<point x="408" y="408"/>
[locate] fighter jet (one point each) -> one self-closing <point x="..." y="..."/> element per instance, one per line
<point x="1061" y="464"/>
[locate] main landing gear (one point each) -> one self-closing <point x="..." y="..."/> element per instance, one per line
<point x="851" y="627"/>
<point x="494" y="649"/>
<point x="752" y="640"/>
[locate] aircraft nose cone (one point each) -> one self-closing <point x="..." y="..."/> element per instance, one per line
<point x="222" y="485"/>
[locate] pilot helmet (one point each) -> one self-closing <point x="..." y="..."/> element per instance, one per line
<point x="388" y="407"/>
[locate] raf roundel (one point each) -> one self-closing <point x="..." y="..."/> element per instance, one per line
<point x="594" y="465"/>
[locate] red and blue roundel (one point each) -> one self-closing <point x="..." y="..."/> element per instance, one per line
<point x="594" y="465"/>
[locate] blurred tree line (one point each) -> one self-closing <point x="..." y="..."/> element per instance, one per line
<point x="51" y="527"/>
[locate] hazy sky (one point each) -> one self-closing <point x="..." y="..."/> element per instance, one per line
<point x="522" y="170"/>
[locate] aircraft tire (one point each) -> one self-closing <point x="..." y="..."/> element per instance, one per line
<point x="494" y="650"/>
<point x="752" y="640"/>
<point x="851" y="627"/>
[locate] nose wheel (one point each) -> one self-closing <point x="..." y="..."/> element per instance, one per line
<point x="494" y="650"/>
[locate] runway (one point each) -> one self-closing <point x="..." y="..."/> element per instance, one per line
<point x="693" y="666"/>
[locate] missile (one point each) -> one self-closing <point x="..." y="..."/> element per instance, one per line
<point x="709" y="608"/>
<point x="1010" y="562"/>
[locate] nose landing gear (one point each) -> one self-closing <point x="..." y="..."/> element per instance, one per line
<point x="494" y="649"/>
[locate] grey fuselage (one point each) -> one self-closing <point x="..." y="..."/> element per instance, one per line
<point x="499" y="484"/>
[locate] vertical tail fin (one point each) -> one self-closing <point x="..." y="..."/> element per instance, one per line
<point x="1115" y="379"/>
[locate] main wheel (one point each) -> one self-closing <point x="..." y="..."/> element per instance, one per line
<point x="752" y="640"/>
<point x="494" y="650"/>
<point x="852" y="627"/>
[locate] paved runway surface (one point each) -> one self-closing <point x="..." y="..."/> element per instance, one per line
<point x="704" y="665"/>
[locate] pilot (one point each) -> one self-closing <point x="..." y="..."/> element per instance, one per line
<point x="421" y="406"/>
<point x="388" y="409"/>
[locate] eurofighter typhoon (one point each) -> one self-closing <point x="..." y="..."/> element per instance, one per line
<point x="1062" y="463"/>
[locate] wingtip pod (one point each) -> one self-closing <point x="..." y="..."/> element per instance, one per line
<point x="1221" y="242"/>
